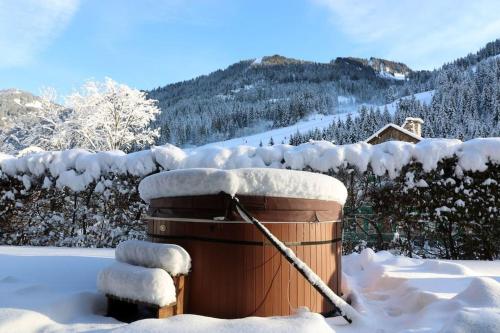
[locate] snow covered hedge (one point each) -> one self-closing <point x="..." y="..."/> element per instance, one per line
<point x="78" y="198"/>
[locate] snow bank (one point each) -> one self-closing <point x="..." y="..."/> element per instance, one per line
<point x="400" y="294"/>
<point x="46" y="289"/>
<point x="303" y="322"/>
<point x="169" y="257"/>
<point x="472" y="320"/>
<point x="77" y="168"/>
<point x="482" y="311"/>
<point x="257" y="181"/>
<point x="481" y="292"/>
<point x="150" y="285"/>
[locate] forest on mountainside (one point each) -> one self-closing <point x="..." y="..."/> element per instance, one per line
<point x="465" y="105"/>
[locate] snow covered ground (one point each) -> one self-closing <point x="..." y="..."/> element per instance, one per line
<point x="54" y="290"/>
<point x="314" y="121"/>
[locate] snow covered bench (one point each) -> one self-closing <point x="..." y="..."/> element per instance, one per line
<point x="148" y="280"/>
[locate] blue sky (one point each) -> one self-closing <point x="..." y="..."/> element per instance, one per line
<point x="149" y="43"/>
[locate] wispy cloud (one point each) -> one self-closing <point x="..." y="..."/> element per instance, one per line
<point x="28" y="26"/>
<point x="423" y="33"/>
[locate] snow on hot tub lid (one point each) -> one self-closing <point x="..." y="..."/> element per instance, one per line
<point x="249" y="181"/>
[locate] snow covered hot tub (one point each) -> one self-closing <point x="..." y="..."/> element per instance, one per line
<point x="236" y="272"/>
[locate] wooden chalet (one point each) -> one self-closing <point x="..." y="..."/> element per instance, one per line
<point x="410" y="131"/>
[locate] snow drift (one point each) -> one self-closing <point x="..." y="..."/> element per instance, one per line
<point x="53" y="290"/>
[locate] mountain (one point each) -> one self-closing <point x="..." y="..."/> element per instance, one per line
<point x="15" y="103"/>
<point x="275" y="91"/>
<point x="310" y="127"/>
<point x="465" y="104"/>
<point x="277" y="60"/>
<point x="385" y="68"/>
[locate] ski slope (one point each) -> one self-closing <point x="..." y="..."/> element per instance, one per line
<point x="319" y="121"/>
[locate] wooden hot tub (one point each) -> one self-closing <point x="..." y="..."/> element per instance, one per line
<point x="235" y="271"/>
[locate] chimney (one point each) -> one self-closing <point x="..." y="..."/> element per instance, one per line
<point x="413" y="125"/>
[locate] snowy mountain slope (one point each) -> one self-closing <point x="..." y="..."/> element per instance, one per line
<point x="283" y="134"/>
<point x="318" y="121"/>
<point x="273" y="91"/>
<point x="387" y="69"/>
<point x="423" y="97"/>
<point x="16" y="103"/>
<point x="217" y="107"/>
<point x="53" y="290"/>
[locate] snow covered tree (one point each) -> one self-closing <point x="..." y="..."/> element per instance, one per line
<point x="109" y="116"/>
<point x="52" y="131"/>
<point x="45" y="126"/>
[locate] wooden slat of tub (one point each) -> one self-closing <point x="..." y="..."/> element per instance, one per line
<point x="334" y="278"/>
<point x="338" y="257"/>
<point x="327" y="259"/>
<point x="321" y="259"/>
<point x="230" y="274"/>
<point x="314" y="265"/>
<point x="259" y="273"/>
<point x="268" y="276"/>
<point x="240" y="275"/>
<point x="194" y="286"/>
<point x="285" y="276"/>
<point x="299" y="250"/>
<point x="321" y="252"/>
<point x="322" y="271"/>
<point x="204" y="285"/>
<point x="249" y="274"/>
<point x="227" y="276"/>
<point x="276" y="281"/>
<point x="292" y="231"/>
<point x="330" y="277"/>
<point x="307" y="259"/>
<point x="242" y="303"/>
<point x="268" y="252"/>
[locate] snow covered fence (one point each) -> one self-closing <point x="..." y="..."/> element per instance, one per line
<point x="76" y="197"/>
<point x="77" y="168"/>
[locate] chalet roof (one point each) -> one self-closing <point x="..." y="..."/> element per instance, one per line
<point x="396" y="127"/>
